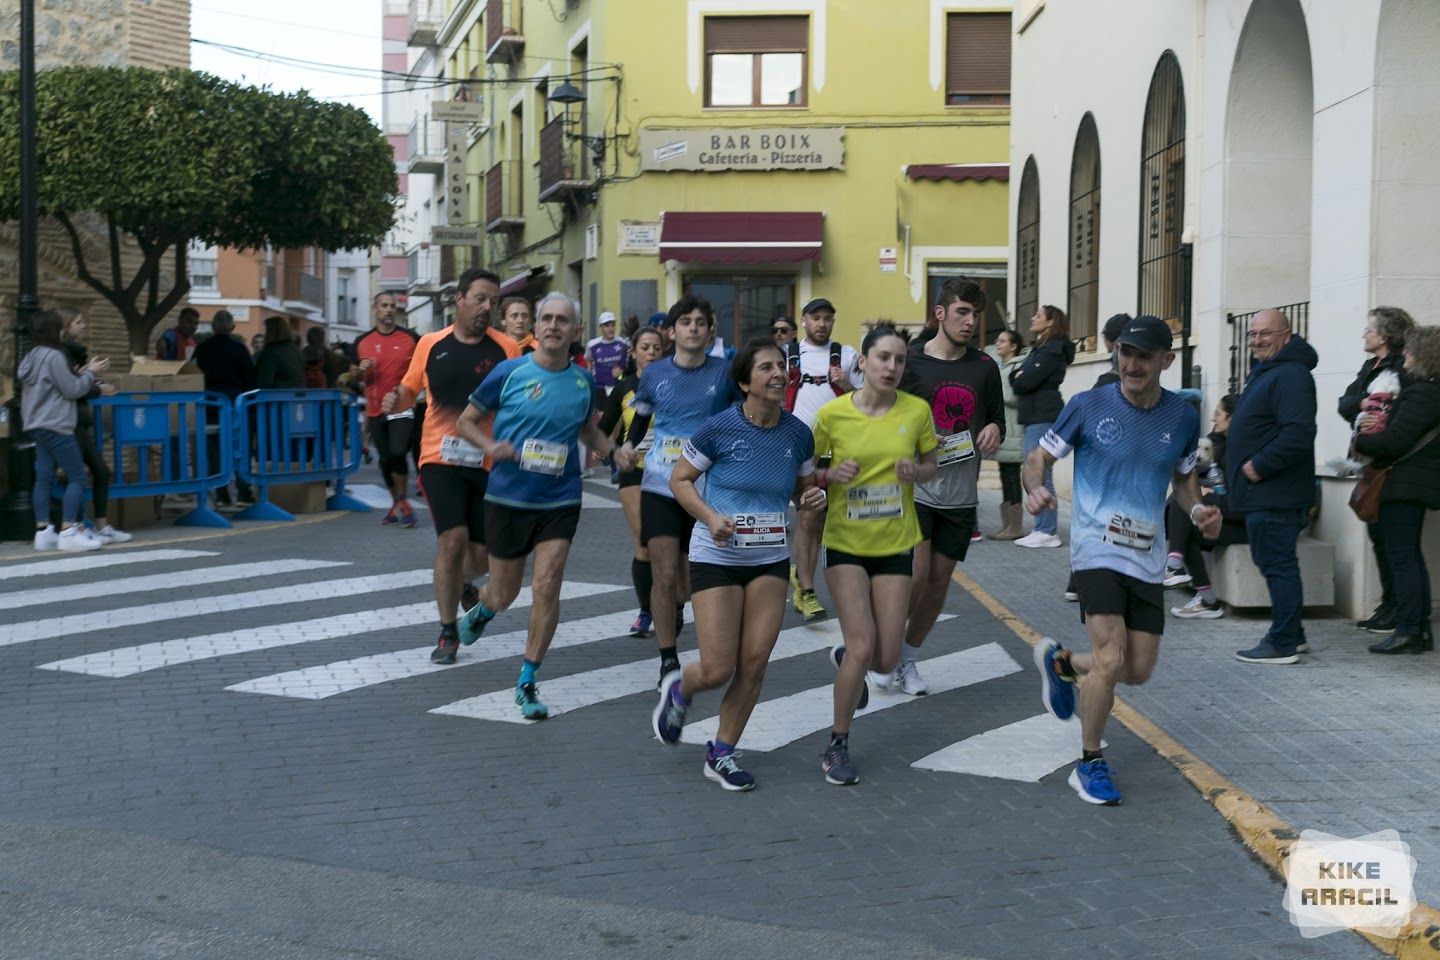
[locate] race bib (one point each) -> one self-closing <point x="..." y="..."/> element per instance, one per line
<point x="670" y="448"/>
<point x="956" y="448"/>
<point x="543" y="456"/>
<point x="879" y="502"/>
<point x="402" y="415"/>
<point x="1128" y="532"/>
<point x="460" y="453"/>
<point x="645" y="444"/>
<point x="759" y="530"/>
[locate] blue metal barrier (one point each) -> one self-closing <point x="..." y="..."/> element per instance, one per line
<point x="296" y="436"/>
<point x="167" y="433"/>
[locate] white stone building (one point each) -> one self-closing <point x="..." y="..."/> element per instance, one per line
<point x="1248" y="153"/>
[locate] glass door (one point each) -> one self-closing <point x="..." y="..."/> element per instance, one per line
<point x="744" y="306"/>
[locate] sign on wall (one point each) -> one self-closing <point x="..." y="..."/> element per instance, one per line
<point x="743" y="148"/>
<point x="887" y="259"/>
<point x="638" y="237"/>
<point x="455" y="177"/>
<point x="457" y="236"/>
<point x="458" y="111"/>
<point x="592" y="241"/>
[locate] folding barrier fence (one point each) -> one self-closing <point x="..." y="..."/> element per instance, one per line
<point x="296" y="436"/>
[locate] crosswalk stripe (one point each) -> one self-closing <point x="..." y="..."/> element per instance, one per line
<point x="128" y="661"/>
<point x="160" y="581"/>
<point x="108" y="620"/>
<point x="778" y="722"/>
<point x="95" y="561"/>
<point x="1027" y="751"/>
<point x="578" y="690"/>
<point x="343" y="676"/>
<point x="590" y="501"/>
<point x="374" y="495"/>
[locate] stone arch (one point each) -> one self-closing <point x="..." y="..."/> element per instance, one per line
<point x="1083" y="303"/>
<point x="1027" y="244"/>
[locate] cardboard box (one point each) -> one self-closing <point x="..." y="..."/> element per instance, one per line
<point x="135" y="513"/>
<point x="148" y="375"/>
<point x="300" y="497"/>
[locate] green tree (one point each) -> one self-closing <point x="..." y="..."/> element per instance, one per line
<point x="170" y="156"/>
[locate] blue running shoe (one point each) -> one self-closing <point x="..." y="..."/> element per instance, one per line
<point x="668" y="717"/>
<point x="837" y="654"/>
<point x="1057" y="692"/>
<point x="726" y="772"/>
<point x="1092" y="781"/>
<point x="527" y="698"/>
<point x="641" y="627"/>
<point x="473" y="624"/>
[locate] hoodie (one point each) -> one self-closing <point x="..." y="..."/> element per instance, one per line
<point x="1274" y="427"/>
<point x="49" y="389"/>
<point x="1037" y="381"/>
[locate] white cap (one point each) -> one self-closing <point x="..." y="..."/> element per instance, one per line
<point x="606" y="317"/>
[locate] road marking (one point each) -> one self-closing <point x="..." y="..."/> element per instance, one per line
<point x="776" y="723"/>
<point x="1027" y="750"/>
<point x="374" y="495"/>
<point x="343" y="676"/>
<point x="108" y="620"/>
<point x="95" y="561"/>
<point x="160" y="581"/>
<point x="590" y="501"/>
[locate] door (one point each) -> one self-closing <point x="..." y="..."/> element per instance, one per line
<point x="744" y="306"/>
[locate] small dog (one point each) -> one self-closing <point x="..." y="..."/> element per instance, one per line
<point x="1374" y="415"/>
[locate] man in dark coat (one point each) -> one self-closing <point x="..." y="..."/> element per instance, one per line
<point x="1270" y="470"/>
<point x="228" y="369"/>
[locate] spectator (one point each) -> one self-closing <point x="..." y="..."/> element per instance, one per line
<point x="1270" y="473"/>
<point x="1406" y="441"/>
<point x="279" y="365"/>
<point x="1009" y="352"/>
<point x="257" y="343"/>
<point x="1186" y="563"/>
<point x="1036" y="382"/>
<point x="517" y="319"/>
<point x="72" y="337"/>
<point x="178" y="343"/>
<point x="317" y="359"/>
<point x="1385" y="332"/>
<point x="229" y="370"/>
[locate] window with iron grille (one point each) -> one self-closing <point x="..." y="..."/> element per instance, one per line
<point x="1162" y="195"/>
<point x="1027" y="245"/>
<point x="977" y="59"/>
<point x="1084" y="303"/>
<point x="756" y="61"/>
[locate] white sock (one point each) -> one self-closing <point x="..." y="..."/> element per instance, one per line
<point x="908" y="654"/>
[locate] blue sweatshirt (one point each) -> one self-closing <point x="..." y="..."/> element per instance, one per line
<point x="1274" y="426"/>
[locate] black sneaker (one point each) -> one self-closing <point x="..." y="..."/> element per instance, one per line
<point x="679" y="620"/>
<point x="667" y="667"/>
<point x="469" y="596"/>
<point x="1381" y="621"/>
<point x="445" y="649"/>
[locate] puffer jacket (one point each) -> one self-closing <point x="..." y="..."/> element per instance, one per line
<point x="1274" y="426"/>
<point x="1417" y="477"/>
<point x="1012" y="447"/>
<point x="1037" y="381"/>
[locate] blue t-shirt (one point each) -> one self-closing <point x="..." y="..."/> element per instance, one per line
<point x="1124" y="457"/>
<point x="540" y="412"/>
<point x="750" y="474"/>
<point x="679" y="399"/>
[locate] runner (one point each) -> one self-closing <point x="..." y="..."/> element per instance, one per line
<point x="1131" y="440"/>
<point x="755" y="457"/>
<point x="447" y="367"/>
<point x="384" y="355"/>
<point x="881" y="443"/>
<point x="620" y="411"/>
<point x="681" y="392"/>
<point x="967" y="405"/>
<point x="606" y="355"/>
<point x="542" y="405"/>
<point x="819" y="371"/>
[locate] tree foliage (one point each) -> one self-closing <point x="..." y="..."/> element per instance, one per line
<point x="171" y="156"/>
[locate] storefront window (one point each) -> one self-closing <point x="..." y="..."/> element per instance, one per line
<point x="992" y="279"/>
<point x="744" y="305"/>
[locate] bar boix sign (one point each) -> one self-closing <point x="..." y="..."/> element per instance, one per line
<point x="716" y="149"/>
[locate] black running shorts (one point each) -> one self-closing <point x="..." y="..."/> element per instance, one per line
<point x="456" y="497"/>
<point x="895" y="564"/>
<point x="704" y="576"/>
<point x="1108" y="592"/>
<point x="514" y="532"/>
<point x="663" y="517"/>
<point x="947" y="528"/>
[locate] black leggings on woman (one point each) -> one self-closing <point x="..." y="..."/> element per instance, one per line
<point x="99" y="470"/>
<point x="1185" y="540"/>
<point x="1010" y="483"/>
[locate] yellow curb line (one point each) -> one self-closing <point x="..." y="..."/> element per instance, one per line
<point x="1260" y="828"/>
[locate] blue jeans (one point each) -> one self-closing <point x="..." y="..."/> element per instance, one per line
<point x="1273" y="535"/>
<point x="1045" y="521"/>
<point x="53" y="448"/>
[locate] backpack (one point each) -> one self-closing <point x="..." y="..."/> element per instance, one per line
<point x="795" y="379"/>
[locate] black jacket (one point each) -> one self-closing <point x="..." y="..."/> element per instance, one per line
<point x="279" y="366"/>
<point x="1417" y="477"/>
<point x="79" y="356"/>
<point x="1274" y="426"/>
<point x="226" y="364"/>
<point x="1349" y="406"/>
<point x="1036" y="382"/>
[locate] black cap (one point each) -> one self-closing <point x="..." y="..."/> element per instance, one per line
<point x="1115" y="324"/>
<point x="819" y="303"/>
<point x="1147" y="333"/>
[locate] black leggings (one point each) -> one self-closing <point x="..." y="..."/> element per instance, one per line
<point x="1184" y="538"/>
<point x="99" y="470"/>
<point x="1010" y="483"/>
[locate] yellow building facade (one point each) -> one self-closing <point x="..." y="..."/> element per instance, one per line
<point x="757" y="152"/>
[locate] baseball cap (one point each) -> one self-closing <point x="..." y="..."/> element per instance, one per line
<point x="819" y="303"/>
<point x="657" y="319"/>
<point x="1115" y="325"/>
<point x="1147" y="333"/>
<point x="606" y="317"/>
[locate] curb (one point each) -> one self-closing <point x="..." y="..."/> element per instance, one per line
<point x="1263" y="832"/>
<point x="195" y="535"/>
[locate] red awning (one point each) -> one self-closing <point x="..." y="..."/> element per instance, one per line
<point x="515" y="284"/>
<point x="957" y="171"/>
<point x="725" y="237"/>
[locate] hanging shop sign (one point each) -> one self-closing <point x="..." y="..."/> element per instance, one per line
<point x="458" y="111"/>
<point x="743" y="148"/>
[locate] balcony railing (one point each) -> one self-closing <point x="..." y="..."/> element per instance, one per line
<point x="426" y="142"/>
<point x="302" y="287"/>
<point x="1240" y="359"/>
<point x="562" y="165"/>
<point x="424" y="273"/>
<point x="504" y="199"/>
<point x="503" y="39"/>
<point x="425" y="19"/>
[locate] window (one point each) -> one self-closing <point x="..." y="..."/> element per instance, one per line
<point x="744" y="305"/>
<point x="201" y="259"/>
<point x="1162" y="196"/>
<point x="1084" y="303"/>
<point x="756" y="61"/>
<point x="1027" y="245"/>
<point x="343" y="311"/>
<point x="977" y="59"/>
<point x="990" y="277"/>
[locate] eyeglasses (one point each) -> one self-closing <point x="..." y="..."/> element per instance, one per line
<point x="781" y="328"/>
<point x="1261" y="334"/>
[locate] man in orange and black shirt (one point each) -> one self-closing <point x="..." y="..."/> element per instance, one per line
<point x="447" y="367"/>
<point x="384" y="354"/>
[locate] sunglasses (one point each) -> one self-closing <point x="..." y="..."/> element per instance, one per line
<point x="782" y="328"/>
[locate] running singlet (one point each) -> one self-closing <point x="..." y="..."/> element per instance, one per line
<point x="750" y="474"/>
<point x="605" y="356"/>
<point x="620" y="408"/>
<point x="1123" y="460"/>
<point x="874" y="514"/>
<point x="679" y="399"/>
<point x="448" y="371"/>
<point x="964" y="397"/>
<point x="391" y="353"/>
<point x="540" y="412"/>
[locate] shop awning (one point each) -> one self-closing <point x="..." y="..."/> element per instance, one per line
<point x="517" y="284"/>
<point x="957" y="171"/>
<point x="725" y="237"/>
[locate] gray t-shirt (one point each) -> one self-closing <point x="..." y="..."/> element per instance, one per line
<point x="965" y="396"/>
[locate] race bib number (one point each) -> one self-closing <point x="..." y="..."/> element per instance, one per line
<point x="1128" y="532"/>
<point x="956" y="448"/>
<point x="880" y="502"/>
<point x="669" y="449"/>
<point x="759" y="530"/>
<point x="645" y="444"/>
<point x="402" y="415"/>
<point x="460" y="453"/>
<point x="543" y="456"/>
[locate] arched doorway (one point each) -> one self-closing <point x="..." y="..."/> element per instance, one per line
<point x="1027" y="245"/>
<point x="1163" y="281"/>
<point x="1083" y="305"/>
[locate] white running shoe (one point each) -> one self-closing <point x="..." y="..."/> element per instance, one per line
<point x="77" y="538"/>
<point x="1176" y="578"/>
<point x="47" y="539"/>
<point x="1198" y="609"/>
<point x="1035" y="539"/>
<point x="910" y="680"/>
<point x="881" y="681"/>
<point x="110" y="534"/>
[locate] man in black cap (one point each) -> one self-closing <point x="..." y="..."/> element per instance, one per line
<point x="1130" y="445"/>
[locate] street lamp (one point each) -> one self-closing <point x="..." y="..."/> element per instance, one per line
<point x="566" y="94"/>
